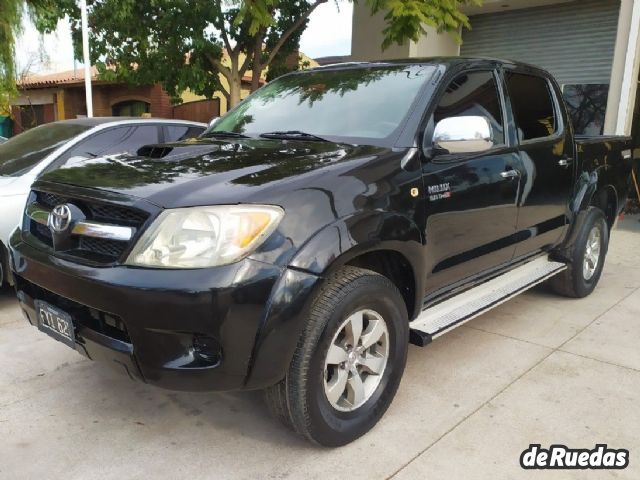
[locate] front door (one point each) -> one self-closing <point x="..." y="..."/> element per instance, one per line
<point x="470" y="202"/>
<point x="547" y="164"/>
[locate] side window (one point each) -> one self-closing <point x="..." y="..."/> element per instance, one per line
<point x="126" y="139"/>
<point x="473" y="94"/>
<point x="176" y="133"/>
<point x="532" y="105"/>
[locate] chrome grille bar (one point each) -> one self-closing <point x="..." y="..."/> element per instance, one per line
<point x="86" y="228"/>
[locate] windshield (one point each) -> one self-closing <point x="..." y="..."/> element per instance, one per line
<point x="21" y="153"/>
<point x="367" y="103"/>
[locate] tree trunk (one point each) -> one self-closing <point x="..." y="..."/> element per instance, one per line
<point x="256" y="73"/>
<point x="235" y="91"/>
<point x="235" y="82"/>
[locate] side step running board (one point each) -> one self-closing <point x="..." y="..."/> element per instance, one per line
<point x="451" y="313"/>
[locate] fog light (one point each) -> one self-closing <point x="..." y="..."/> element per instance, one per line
<point x="207" y="349"/>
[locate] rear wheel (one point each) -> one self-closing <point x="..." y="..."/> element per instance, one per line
<point x="587" y="258"/>
<point x="349" y="360"/>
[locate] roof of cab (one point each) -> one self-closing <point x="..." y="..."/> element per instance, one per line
<point x="446" y="61"/>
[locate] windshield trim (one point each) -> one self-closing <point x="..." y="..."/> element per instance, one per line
<point x="388" y="141"/>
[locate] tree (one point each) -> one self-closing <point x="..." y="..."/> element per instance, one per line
<point x="210" y="45"/>
<point x="11" y="16"/>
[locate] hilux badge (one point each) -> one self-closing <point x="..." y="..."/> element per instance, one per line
<point x="59" y="219"/>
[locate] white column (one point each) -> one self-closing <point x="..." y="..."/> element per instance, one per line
<point x="87" y="57"/>
<point x="630" y="78"/>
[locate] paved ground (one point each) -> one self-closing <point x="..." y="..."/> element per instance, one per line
<point x="539" y="369"/>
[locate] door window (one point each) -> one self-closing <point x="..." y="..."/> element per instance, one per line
<point x="533" y="106"/>
<point x="473" y="94"/>
<point x="175" y="133"/>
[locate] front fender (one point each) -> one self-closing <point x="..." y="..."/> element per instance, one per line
<point x="338" y="243"/>
<point x="329" y="249"/>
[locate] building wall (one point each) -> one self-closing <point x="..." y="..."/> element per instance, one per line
<point x="367" y="37"/>
<point x="106" y="96"/>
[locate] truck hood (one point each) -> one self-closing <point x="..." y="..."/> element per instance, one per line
<point x="206" y="171"/>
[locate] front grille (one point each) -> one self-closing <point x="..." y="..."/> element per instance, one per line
<point x="91" y="249"/>
<point x="108" y="248"/>
<point x="102" y="212"/>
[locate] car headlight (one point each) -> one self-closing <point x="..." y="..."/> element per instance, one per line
<point x="200" y="237"/>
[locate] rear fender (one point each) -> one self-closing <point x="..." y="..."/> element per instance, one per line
<point x="587" y="187"/>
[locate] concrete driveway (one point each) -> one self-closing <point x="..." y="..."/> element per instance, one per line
<point x="539" y="369"/>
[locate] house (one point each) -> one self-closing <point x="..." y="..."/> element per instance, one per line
<point x="592" y="47"/>
<point x="59" y="96"/>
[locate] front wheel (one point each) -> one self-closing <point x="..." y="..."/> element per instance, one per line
<point x="587" y="258"/>
<point x="349" y="359"/>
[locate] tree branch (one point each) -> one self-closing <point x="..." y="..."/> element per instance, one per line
<point x="222" y="68"/>
<point x="256" y="54"/>
<point x="223" y="31"/>
<point x="285" y="36"/>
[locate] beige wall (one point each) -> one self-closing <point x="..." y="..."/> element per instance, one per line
<point x="367" y="37"/>
<point x="619" y="58"/>
<point x="435" y="44"/>
<point x="626" y="68"/>
<point x="42" y="96"/>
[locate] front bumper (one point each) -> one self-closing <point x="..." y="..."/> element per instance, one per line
<point x="193" y="330"/>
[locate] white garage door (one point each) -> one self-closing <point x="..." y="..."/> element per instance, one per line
<point x="574" y="41"/>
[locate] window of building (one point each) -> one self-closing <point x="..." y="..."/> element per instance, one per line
<point x="31" y="116"/>
<point x="473" y="94"/>
<point x="131" y="108"/>
<point x="533" y="106"/>
<point x="587" y="105"/>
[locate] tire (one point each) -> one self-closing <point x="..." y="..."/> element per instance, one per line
<point x="575" y="281"/>
<point x="4" y="267"/>
<point x="302" y="399"/>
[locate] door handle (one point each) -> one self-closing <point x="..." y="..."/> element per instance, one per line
<point x="565" y="162"/>
<point x="509" y="174"/>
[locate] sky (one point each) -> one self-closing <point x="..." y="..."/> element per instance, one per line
<point x="328" y="33"/>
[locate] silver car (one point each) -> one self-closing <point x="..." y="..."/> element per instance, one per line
<point x="60" y="144"/>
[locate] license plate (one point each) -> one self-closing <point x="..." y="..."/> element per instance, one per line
<point x="56" y="323"/>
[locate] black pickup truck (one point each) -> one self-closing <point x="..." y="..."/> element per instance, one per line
<point x="314" y="231"/>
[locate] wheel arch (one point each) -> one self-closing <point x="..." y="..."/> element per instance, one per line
<point x="606" y="199"/>
<point x="390" y="244"/>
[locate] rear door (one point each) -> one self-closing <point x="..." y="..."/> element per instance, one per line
<point x="470" y="202"/>
<point x="546" y="160"/>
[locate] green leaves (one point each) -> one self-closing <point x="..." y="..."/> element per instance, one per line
<point x="180" y="43"/>
<point x="405" y="19"/>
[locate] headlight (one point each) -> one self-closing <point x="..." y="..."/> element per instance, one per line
<point x="201" y="237"/>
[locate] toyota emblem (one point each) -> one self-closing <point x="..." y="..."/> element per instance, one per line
<point x="60" y="218"/>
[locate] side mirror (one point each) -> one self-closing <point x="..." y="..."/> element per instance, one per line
<point x="463" y="135"/>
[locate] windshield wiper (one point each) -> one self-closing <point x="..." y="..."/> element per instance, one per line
<point x="223" y="133"/>
<point x="293" y="134"/>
